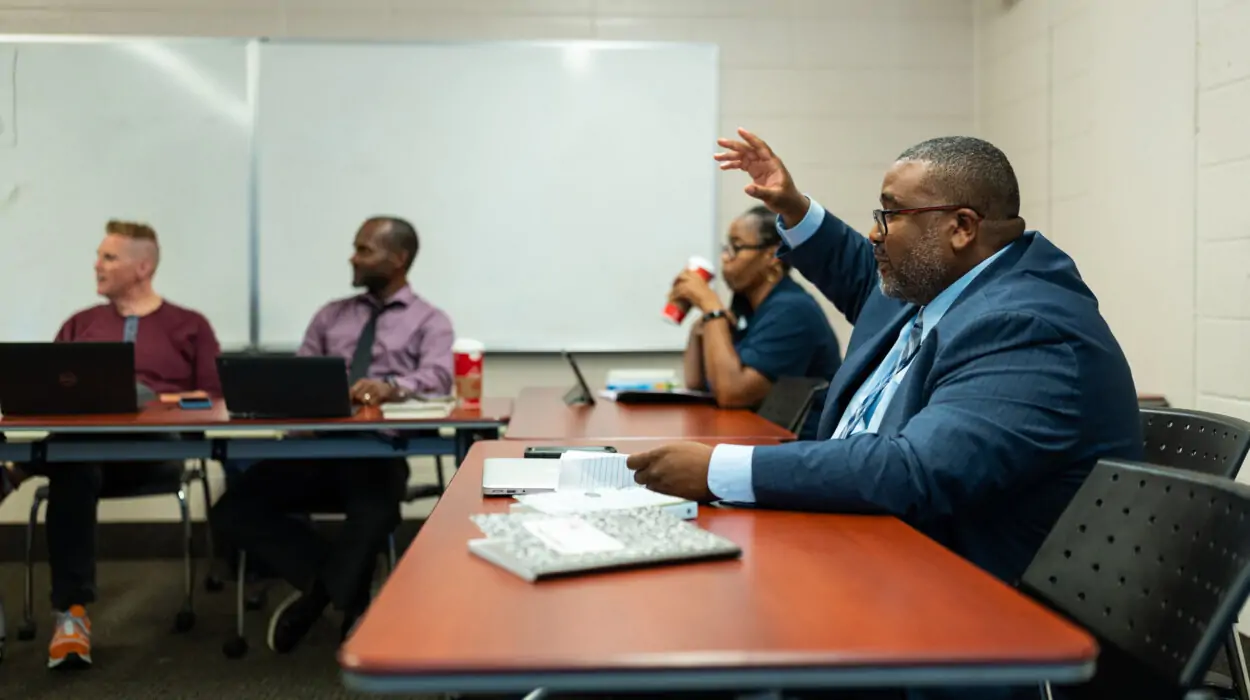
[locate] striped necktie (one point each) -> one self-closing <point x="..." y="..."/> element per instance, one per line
<point x="863" y="412"/>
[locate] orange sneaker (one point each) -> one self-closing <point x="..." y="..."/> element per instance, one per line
<point x="71" y="642"/>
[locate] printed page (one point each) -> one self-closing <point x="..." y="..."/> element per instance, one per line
<point x="587" y="471"/>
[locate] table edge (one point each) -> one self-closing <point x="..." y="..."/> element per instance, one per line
<point x="643" y="679"/>
<point x="276" y="426"/>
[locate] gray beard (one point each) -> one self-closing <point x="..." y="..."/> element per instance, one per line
<point x="920" y="278"/>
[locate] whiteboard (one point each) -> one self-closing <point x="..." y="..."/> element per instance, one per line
<point x="557" y="187"/>
<point x="154" y="131"/>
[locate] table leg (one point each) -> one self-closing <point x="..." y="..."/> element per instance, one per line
<point x="465" y="437"/>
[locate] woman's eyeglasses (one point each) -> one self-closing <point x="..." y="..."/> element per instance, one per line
<point x="732" y="249"/>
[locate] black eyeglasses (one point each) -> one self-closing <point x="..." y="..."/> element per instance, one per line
<point x="732" y="249"/>
<point x="881" y="215"/>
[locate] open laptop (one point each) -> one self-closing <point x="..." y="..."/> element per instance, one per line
<point x="512" y="476"/>
<point x="580" y="393"/>
<point x="67" y="378"/>
<point x="285" y="387"/>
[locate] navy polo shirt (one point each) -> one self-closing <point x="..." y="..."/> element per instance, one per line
<point x="788" y="336"/>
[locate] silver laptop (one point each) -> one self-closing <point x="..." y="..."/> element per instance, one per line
<point x="513" y="476"/>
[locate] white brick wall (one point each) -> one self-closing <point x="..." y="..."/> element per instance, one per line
<point x="1148" y="163"/>
<point x="1223" y="220"/>
<point x="1092" y="100"/>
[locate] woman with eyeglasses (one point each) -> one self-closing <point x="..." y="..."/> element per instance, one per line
<point x="772" y="327"/>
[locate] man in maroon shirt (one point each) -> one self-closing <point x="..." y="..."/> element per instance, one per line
<point x="175" y="352"/>
<point x="396" y="345"/>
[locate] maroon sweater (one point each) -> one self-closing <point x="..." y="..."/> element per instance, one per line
<point x="175" y="349"/>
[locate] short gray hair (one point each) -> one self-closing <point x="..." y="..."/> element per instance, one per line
<point x="972" y="172"/>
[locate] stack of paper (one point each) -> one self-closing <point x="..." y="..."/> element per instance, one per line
<point x="571" y="502"/>
<point x="599" y="481"/>
<point x="418" y="408"/>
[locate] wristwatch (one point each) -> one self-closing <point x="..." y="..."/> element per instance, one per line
<point x="713" y="315"/>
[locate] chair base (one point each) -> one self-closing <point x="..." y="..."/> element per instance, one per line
<point x="184" y="621"/>
<point x="234" y="648"/>
<point x="26" y="631"/>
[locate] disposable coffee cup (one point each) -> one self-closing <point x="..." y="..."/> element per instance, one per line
<point x="675" y="311"/>
<point x="468" y="356"/>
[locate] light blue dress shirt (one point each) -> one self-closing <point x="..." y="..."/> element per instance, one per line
<point x="729" y="472"/>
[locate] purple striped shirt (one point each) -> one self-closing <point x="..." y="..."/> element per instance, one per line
<point x="412" y="343"/>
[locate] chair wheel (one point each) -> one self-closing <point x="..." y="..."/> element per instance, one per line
<point x="256" y="601"/>
<point x="213" y="583"/>
<point x="184" y="621"/>
<point x="26" y="631"/>
<point x="235" y="648"/>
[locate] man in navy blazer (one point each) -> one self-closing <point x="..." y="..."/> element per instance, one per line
<point x="980" y="385"/>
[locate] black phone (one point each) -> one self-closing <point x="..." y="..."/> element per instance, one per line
<point x="554" y="451"/>
<point x="194" y="404"/>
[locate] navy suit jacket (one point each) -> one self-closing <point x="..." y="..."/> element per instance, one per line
<point x="1008" y="403"/>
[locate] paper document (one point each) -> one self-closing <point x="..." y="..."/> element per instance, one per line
<point x="417" y="408"/>
<point x="587" y="471"/>
<point x="572" y="502"/>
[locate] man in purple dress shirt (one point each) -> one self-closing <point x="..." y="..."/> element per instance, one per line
<point x="396" y="345"/>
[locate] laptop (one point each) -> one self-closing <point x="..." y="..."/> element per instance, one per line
<point x="662" y="396"/>
<point x="580" y="394"/>
<point x="67" y="378"/>
<point x="285" y="387"/>
<point x="512" y="476"/>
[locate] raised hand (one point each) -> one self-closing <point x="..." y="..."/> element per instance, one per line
<point x="770" y="181"/>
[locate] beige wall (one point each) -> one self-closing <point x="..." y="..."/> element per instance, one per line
<point x="1131" y="115"/>
<point x="1223" y="219"/>
<point x="1093" y="101"/>
<point x="839" y="87"/>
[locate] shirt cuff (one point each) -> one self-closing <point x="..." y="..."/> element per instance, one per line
<point x="729" y="473"/>
<point x="794" y="237"/>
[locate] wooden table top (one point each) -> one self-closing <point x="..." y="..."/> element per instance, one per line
<point x="810" y="592"/>
<point x="158" y="416"/>
<point x="541" y="414"/>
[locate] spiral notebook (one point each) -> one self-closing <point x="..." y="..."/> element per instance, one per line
<point x="537" y="546"/>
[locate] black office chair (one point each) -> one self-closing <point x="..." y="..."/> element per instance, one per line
<point x="1203" y="442"/>
<point x="1155" y="563"/>
<point x="790" y="400"/>
<point x="175" y="481"/>
<point x="236" y="647"/>
<point x="1208" y="443"/>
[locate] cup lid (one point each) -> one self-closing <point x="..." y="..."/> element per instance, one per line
<point x="700" y="262"/>
<point x="468" y="345"/>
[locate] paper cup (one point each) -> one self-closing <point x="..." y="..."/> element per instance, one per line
<point x="468" y="355"/>
<point x="675" y="311"/>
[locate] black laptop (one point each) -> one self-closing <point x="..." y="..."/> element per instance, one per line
<point x="285" y="387"/>
<point x="67" y="378"/>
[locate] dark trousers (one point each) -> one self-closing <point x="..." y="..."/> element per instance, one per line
<point x="261" y="513"/>
<point x="74" y="491"/>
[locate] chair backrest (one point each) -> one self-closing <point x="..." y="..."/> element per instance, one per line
<point x="1155" y="562"/>
<point x="789" y="401"/>
<point x="1194" y="440"/>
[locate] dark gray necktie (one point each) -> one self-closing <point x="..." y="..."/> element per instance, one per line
<point x="362" y="356"/>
